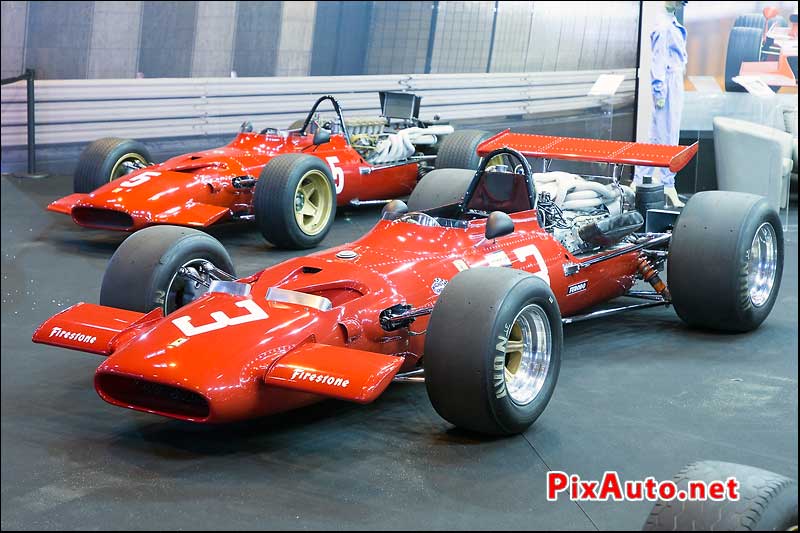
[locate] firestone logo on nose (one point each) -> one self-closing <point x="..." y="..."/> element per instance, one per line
<point x="72" y="335"/>
<point x="301" y="375"/>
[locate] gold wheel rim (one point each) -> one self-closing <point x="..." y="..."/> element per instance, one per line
<point x="120" y="170"/>
<point x="528" y="350"/>
<point x="313" y="202"/>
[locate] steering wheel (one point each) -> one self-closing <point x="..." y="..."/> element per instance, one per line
<point x="420" y="218"/>
<point x="272" y="131"/>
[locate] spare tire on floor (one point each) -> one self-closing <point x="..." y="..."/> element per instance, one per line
<point x="767" y="502"/>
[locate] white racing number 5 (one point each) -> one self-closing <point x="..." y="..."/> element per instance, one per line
<point x="338" y="173"/>
<point x="144" y="177"/>
<point x="221" y="320"/>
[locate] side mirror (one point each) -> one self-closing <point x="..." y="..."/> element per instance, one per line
<point x="394" y="210"/>
<point x="321" y="136"/>
<point x="498" y="224"/>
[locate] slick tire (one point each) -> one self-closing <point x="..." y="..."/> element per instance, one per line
<point x="294" y="201"/>
<point x="442" y="186"/>
<point x="459" y="149"/>
<point x="768" y="502"/>
<point x="483" y="371"/>
<point x="141" y="274"/>
<point x="711" y="270"/>
<point x="101" y="162"/>
<point x="744" y="45"/>
<point x="750" y="20"/>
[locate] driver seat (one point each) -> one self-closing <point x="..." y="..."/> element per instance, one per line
<point x="500" y="191"/>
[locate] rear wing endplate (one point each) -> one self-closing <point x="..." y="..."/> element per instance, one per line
<point x="592" y="150"/>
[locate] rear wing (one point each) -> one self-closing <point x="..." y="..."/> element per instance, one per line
<point x="592" y="150"/>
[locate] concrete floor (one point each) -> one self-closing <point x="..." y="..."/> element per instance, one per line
<point x="639" y="394"/>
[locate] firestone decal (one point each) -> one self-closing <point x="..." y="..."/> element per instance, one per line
<point x="298" y="374"/>
<point x="221" y="320"/>
<point x="72" y="335"/>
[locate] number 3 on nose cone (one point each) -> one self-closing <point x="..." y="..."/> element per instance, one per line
<point x="221" y="320"/>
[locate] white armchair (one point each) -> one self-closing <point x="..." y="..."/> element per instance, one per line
<point x="753" y="158"/>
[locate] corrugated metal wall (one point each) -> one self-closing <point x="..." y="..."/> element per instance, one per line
<point x="85" y="39"/>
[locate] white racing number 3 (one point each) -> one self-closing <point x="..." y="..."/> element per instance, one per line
<point x="221" y="320"/>
<point x="338" y="173"/>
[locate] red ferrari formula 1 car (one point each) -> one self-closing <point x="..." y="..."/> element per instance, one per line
<point x="466" y="286"/>
<point x="289" y="182"/>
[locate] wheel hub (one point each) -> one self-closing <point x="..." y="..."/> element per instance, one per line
<point x="528" y="351"/>
<point x="762" y="264"/>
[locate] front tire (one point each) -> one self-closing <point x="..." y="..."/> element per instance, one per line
<point x="767" y="502"/>
<point x="105" y="160"/>
<point x="725" y="261"/>
<point x="493" y="350"/>
<point x="143" y="273"/>
<point x="295" y="201"/>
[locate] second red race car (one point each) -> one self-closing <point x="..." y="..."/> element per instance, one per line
<point x="465" y="287"/>
<point x="289" y="181"/>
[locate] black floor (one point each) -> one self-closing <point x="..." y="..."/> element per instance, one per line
<point x="639" y="394"/>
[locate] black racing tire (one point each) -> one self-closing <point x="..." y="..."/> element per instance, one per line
<point x="474" y="321"/>
<point x="750" y="20"/>
<point x="98" y="161"/>
<point x="441" y="186"/>
<point x="140" y="272"/>
<point x="275" y="196"/>
<point x="767" y="502"/>
<point x="744" y="45"/>
<point x="459" y="149"/>
<point x="707" y="266"/>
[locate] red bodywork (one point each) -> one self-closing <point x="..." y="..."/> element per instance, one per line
<point x="197" y="189"/>
<point x="224" y="358"/>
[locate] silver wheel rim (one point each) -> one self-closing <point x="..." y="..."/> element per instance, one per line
<point x="182" y="290"/>
<point x="528" y="352"/>
<point x="762" y="264"/>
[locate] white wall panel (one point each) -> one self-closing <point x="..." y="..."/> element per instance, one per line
<point x="74" y="111"/>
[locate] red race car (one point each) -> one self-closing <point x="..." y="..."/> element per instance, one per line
<point x="289" y="182"/>
<point x="466" y="286"/>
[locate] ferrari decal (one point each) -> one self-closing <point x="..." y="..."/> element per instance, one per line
<point x="438" y="285"/>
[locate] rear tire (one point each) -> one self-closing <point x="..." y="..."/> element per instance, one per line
<point x="443" y="186"/>
<point x="708" y="269"/>
<point x="474" y="377"/>
<point x="101" y="161"/>
<point x="459" y="149"/>
<point x="744" y="45"/>
<point x="140" y="273"/>
<point x="767" y="502"/>
<point x="288" y="185"/>
<point x="750" y="20"/>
